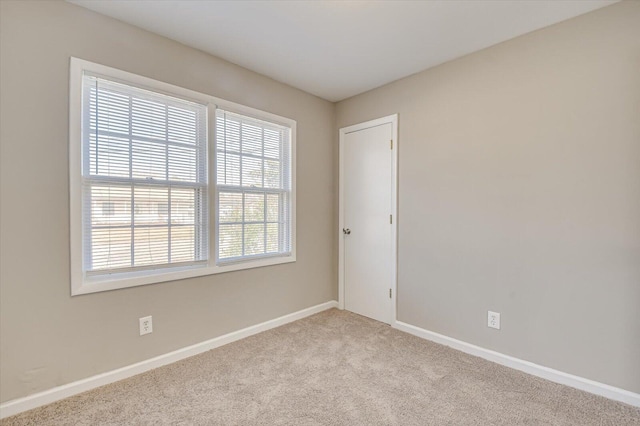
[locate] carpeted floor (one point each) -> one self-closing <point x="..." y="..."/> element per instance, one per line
<point x="334" y="368"/>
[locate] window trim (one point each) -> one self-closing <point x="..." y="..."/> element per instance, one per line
<point x="81" y="283"/>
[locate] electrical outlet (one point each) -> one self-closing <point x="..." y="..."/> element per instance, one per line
<point x="146" y="325"/>
<point x="493" y="320"/>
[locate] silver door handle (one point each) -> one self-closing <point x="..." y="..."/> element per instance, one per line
<point x="346" y="231"/>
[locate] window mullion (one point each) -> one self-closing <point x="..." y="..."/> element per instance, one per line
<point x="226" y="152"/>
<point x="264" y="196"/>
<point x="86" y="171"/>
<point x="243" y="222"/>
<point x="213" y="179"/>
<point x="133" y="189"/>
<point x="166" y="174"/>
<point x="282" y="232"/>
<point x="240" y="149"/>
<point x="240" y="180"/>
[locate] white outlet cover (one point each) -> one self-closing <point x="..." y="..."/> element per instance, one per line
<point x="493" y="320"/>
<point x="146" y="325"/>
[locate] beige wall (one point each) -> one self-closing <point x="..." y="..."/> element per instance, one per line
<point x="519" y="192"/>
<point x="49" y="338"/>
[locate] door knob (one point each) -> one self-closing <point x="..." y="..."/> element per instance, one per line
<point x="346" y="231"/>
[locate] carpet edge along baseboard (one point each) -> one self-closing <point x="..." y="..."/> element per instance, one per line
<point x="556" y="376"/>
<point x="58" y="393"/>
<point x="49" y="396"/>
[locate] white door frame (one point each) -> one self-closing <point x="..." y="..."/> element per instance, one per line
<point x="393" y="119"/>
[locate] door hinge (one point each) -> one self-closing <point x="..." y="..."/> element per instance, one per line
<point x="389" y="293"/>
<point x="391" y="143"/>
<point x="391" y="219"/>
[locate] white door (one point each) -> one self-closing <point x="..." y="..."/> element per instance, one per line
<point x="368" y="234"/>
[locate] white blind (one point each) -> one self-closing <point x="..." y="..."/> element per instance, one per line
<point x="144" y="178"/>
<point x="253" y="163"/>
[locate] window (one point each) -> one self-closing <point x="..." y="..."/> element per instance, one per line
<point x="157" y="172"/>
<point x="253" y="188"/>
<point x="142" y="148"/>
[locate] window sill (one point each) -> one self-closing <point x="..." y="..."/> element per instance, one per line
<point x="86" y="285"/>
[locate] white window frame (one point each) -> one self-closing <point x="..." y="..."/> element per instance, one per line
<point x="82" y="283"/>
<point x="241" y="188"/>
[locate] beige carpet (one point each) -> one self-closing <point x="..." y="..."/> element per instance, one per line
<point x="334" y="368"/>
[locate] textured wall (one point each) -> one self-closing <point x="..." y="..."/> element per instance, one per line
<point x="519" y="192"/>
<point x="49" y="338"/>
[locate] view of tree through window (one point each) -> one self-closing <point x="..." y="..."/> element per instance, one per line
<point x="254" y="187"/>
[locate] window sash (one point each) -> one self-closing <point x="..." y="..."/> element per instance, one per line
<point x="269" y="143"/>
<point x="176" y="134"/>
<point x="276" y="219"/>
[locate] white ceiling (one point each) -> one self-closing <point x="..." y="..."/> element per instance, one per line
<point x="338" y="49"/>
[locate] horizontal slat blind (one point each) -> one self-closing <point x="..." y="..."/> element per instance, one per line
<point x="144" y="179"/>
<point x="253" y="163"/>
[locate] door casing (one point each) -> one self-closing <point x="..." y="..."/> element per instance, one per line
<point x="393" y="120"/>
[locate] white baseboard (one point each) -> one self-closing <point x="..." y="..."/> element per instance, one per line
<point x="19" y="405"/>
<point x="550" y="374"/>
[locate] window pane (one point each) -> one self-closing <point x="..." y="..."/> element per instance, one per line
<point x="183" y="206"/>
<point x="251" y="139"/>
<point x="230" y="207"/>
<point x="251" y="172"/>
<point x="182" y="247"/>
<point x="230" y="241"/>
<point x="108" y="156"/>
<point x="110" y="205"/>
<point x="272" y="174"/>
<point x="180" y="125"/>
<point x="253" y="239"/>
<point x="273" y="236"/>
<point x="271" y="143"/>
<point x="228" y="134"/>
<point x="254" y="207"/>
<point x="151" y="205"/>
<point x="110" y="248"/>
<point x="151" y="246"/>
<point x="273" y="207"/>
<point x="108" y="110"/>
<point x="230" y="163"/>
<point x="182" y="164"/>
<point x="148" y="160"/>
<point x="148" y="118"/>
